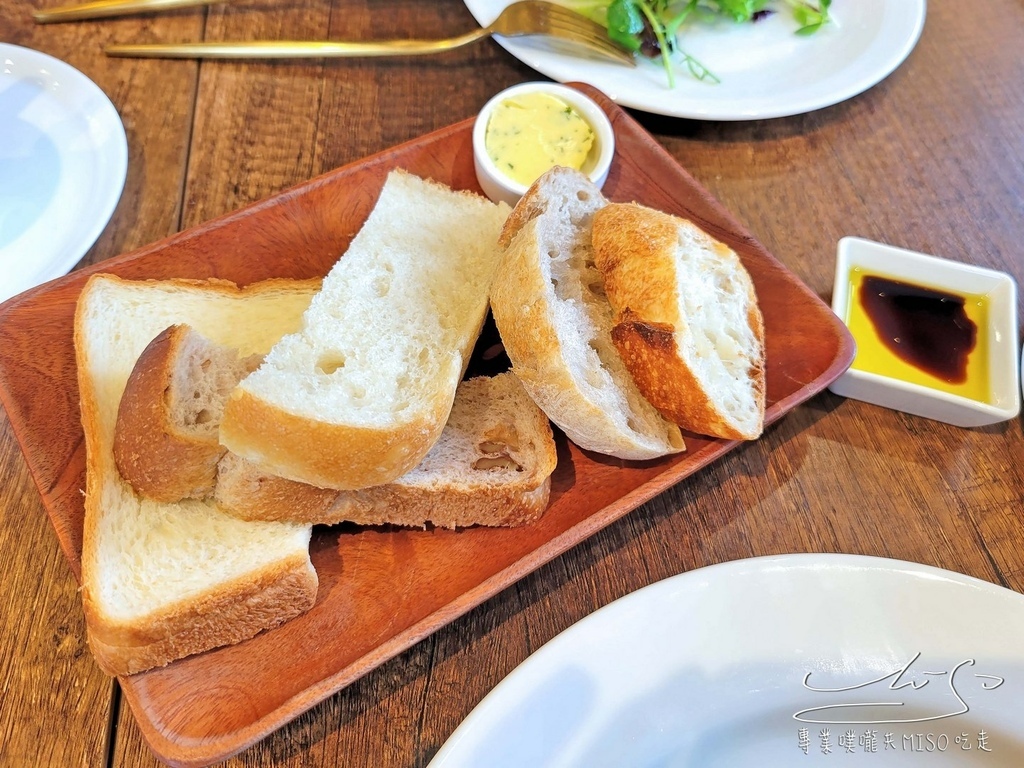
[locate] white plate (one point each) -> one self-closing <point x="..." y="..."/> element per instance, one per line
<point x="749" y="663"/>
<point x="765" y="70"/>
<point x="63" y="161"/>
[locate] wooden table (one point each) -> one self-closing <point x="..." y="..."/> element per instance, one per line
<point x="931" y="159"/>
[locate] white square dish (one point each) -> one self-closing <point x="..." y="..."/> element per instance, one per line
<point x="997" y="335"/>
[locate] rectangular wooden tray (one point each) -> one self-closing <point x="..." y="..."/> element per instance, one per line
<point x="381" y="591"/>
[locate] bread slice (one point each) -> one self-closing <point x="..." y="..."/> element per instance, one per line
<point x="166" y="438"/>
<point x="555" y="322"/>
<point x="161" y="581"/>
<point x="362" y="391"/>
<point x="245" y="491"/>
<point x="491" y="466"/>
<point x="687" y="322"/>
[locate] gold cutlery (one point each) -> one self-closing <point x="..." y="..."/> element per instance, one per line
<point x="524" y="18"/>
<point x="99" y="9"/>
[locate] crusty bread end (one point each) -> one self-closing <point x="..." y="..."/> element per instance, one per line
<point x="555" y="322"/>
<point x="687" y="323"/>
<point x="166" y="438"/>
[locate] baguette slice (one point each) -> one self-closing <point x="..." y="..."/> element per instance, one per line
<point x="166" y="438"/>
<point x="555" y="322"/>
<point x="687" y="322"/>
<point x="491" y="466"/>
<point x="167" y="451"/>
<point x="162" y="581"/>
<point x="362" y="391"/>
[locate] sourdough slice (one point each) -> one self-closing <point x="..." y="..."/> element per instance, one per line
<point x="555" y="322"/>
<point x="161" y="581"/>
<point x="491" y="466"/>
<point x="166" y="438"/>
<point x="687" y="321"/>
<point x="360" y="394"/>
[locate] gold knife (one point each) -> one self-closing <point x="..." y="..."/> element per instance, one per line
<point x="288" y="49"/>
<point x="100" y="9"/>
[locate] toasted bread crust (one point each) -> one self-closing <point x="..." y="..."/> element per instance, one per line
<point x="389" y="504"/>
<point x="636" y="249"/>
<point x="530" y="206"/>
<point x="650" y="351"/>
<point x="229" y="615"/>
<point x="157" y="459"/>
<point x="446" y="499"/>
<point x="340" y="456"/>
<point x="451" y="508"/>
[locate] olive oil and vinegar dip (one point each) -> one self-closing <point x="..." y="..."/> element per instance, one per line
<point x="925" y="336"/>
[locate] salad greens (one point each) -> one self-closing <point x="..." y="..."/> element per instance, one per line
<point x="651" y="27"/>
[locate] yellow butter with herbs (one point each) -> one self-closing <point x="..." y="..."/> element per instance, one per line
<point x="529" y="134"/>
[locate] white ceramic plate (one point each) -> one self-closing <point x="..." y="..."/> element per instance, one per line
<point x="784" y="661"/>
<point x="765" y="70"/>
<point x="63" y="161"/>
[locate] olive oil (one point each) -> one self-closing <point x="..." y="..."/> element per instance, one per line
<point x="920" y="335"/>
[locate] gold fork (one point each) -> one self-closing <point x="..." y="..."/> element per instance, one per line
<point x="524" y="18"/>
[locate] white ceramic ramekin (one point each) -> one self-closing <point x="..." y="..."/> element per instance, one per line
<point x="497" y="186"/>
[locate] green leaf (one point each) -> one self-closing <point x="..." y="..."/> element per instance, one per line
<point x="810" y="18"/>
<point x="740" y="10"/>
<point x="625" y="24"/>
<point x="809" y="29"/>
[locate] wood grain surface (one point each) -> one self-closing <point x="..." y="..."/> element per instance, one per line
<point x="931" y="159"/>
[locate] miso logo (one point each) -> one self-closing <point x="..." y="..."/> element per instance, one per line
<point x="906" y="695"/>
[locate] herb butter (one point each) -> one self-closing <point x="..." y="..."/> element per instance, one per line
<point x="530" y="133"/>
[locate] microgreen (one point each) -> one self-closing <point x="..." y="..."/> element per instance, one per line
<point x="809" y="17"/>
<point x="652" y="27"/>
